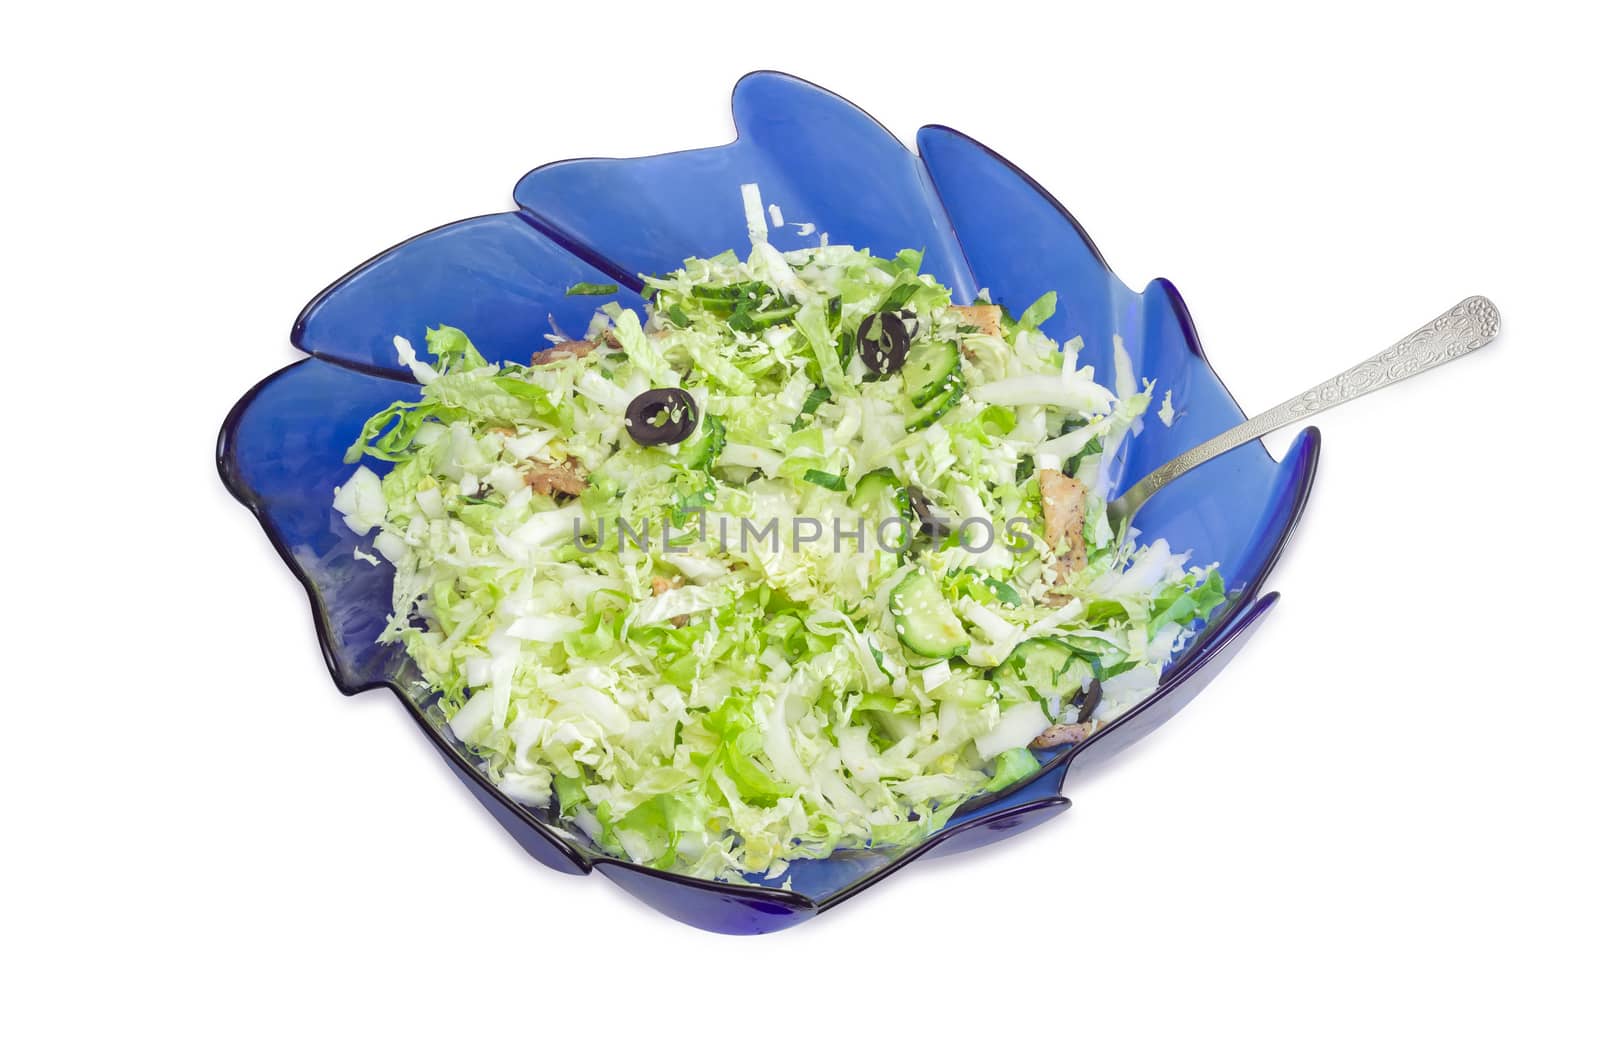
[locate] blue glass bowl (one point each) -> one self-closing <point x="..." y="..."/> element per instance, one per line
<point x="982" y="222"/>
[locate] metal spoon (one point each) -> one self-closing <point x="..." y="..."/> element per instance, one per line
<point x="1468" y="326"/>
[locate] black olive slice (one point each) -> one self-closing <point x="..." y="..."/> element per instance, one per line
<point x="661" y="416"/>
<point x="1088" y="700"/>
<point x="882" y="342"/>
<point x="929" y="523"/>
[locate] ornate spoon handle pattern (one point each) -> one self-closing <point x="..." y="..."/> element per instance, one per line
<point x="1469" y="325"/>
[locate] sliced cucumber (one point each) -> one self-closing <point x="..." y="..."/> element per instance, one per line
<point x="1044" y="667"/>
<point x="1104" y="653"/>
<point x="1040" y="655"/>
<point x="826" y="479"/>
<point x="873" y="487"/>
<point x="930" y="367"/>
<point x="972" y="692"/>
<point x="880" y="497"/>
<point x="920" y="418"/>
<point x="924" y="620"/>
<point x="704" y="445"/>
<point x="696" y="491"/>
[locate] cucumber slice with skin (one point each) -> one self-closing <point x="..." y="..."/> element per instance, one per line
<point x="826" y="479"/>
<point x="704" y="445"/>
<point x="1045" y="667"/>
<point x="924" y="620"/>
<point x="929" y="368"/>
<point x="872" y="486"/>
<point x="973" y="692"/>
<point x="880" y="497"/>
<point x="922" y="417"/>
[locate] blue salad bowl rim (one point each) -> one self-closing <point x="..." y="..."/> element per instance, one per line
<point x="983" y="217"/>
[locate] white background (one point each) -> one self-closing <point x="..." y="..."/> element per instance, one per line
<point x="1374" y="834"/>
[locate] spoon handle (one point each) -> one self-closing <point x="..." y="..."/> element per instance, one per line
<point x="1469" y="325"/>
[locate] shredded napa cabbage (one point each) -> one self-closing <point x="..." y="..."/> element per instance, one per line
<point x="718" y="700"/>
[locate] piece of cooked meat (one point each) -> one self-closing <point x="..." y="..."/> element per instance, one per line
<point x="1070" y="732"/>
<point x="986" y="318"/>
<point x="1066" y="500"/>
<point x="660" y="585"/>
<point x="563" y="351"/>
<point x="550" y="479"/>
